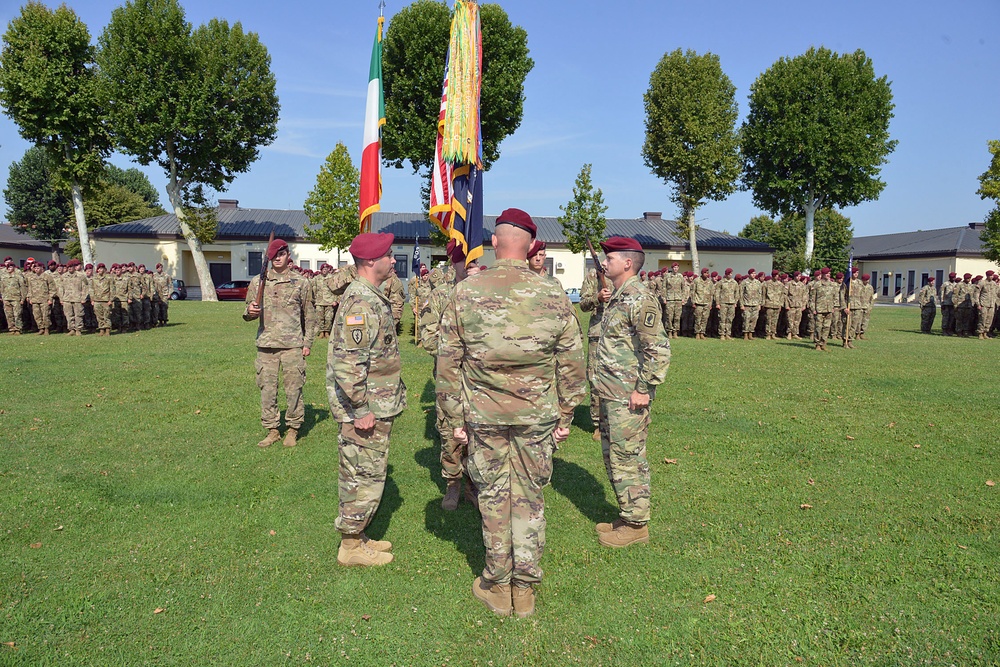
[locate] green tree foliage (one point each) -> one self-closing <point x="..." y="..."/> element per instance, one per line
<point x="989" y="188"/>
<point x="583" y="216"/>
<point x="787" y="236"/>
<point x="817" y="134"/>
<point x="691" y="139"/>
<point x="134" y="180"/>
<point x="47" y="87"/>
<point x="199" y="103"/>
<point x="332" y="206"/>
<point x="35" y="207"/>
<point x="414" y="52"/>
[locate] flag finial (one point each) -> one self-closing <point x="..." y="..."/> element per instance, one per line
<point x="381" y="7"/>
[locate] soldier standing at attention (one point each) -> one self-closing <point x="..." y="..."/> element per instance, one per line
<point x="73" y="292"/>
<point x="795" y="302"/>
<point x="14" y="289"/>
<point x="509" y="373"/>
<point x="392" y="287"/>
<point x="927" y="298"/>
<point x="40" y="295"/>
<point x="673" y="288"/>
<point x="366" y="394"/>
<point x="826" y="304"/>
<point x="701" y="299"/>
<point x="962" y="298"/>
<point x="727" y="293"/>
<point x="163" y="287"/>
<point x="632" y="360"/>
<point x="774" y="298"/>
<point x="536" y="260"/>
<point x="750" y="299"/>
<point x="101" y="295"/>
<point x="590" y="302"/>
<point x="324" y="298"/>
<point x="986" y="305"/>
<point x="284" y="339"/>
<point x="947" y="305"/>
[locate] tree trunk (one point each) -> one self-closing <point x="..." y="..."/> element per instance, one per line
<point x="810" y="211"/>
<point x="81" y="223"/>
<point x="200" y="264"/>
<point x="693" y="240"/>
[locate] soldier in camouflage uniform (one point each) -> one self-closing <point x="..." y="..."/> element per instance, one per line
<point x="701" y="299"/>
<point x="591" y="302"/>
<point x="325" y="300"/>
<point x="73" y="291"/>
<point x="947" y="305"/>
<point x="826" y="305"/>
<point x="163" y="287"/>
<point x="774" y="298"/>
<point x="962" y="298"/>
<point x="392" y="287"/>
<point x="632" y="360"/>
<point x="927" y="298"/>
<point x="40" y="296"/>
<point x="985" y="305"/>
<point x="366" y="394"/>
<point x="795" y="303"/>
<point x="120" y="285"/>
<point x="14" y="289"/>
<point x="510" y="372"/>
<point x="751" y="297"/>
<point x="673" y="294"/>
<point x="100" y="292"/>
<point x="54" y="274"/>
<point x="285" y="332"/>
<point x="727" y="293"/>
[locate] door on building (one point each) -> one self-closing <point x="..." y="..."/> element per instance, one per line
<point x="910" y="279"/>
<point x="221" y="273"/>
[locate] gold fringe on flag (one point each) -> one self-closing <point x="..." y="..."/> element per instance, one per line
<point x="462" y="139"/>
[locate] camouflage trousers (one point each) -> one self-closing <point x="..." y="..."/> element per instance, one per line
<point x="147" y="312"/>
<point x="595" y="402"/>
<point x="750" y="315"/>
<point x="927" y="315"/>
<point x="947" y="319"/>
<point x="89" y="316"/>
<point x="324" y="318"/>
<point x="794" y="321"/>
<point x="986" y="320"/>
<point x="623" y="444"/>
<point x="701" y="312"/>
<point x="863" y="316"/>
<point x="135" y="314"/>
<point x="821" y="328"/>
<point x="364" y="460"/>
<point x="964" y="321"/>
<point x="510" y="466"/>
<point x="453" y="453"/>
<point x="119" y="314"/>
<point x="12" y="311"/>
<point x="290" y="365"/>
<point x="673" y="321"/>
<point x="160" y="310"/>
<point x="40" y="312"/>
<point x="102" y="311"/>
<point x="771" y="316"/>
<point x="74" y="315"/>
<point x="727" y="311"/>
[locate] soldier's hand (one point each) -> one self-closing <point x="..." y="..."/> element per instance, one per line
<point x="638" y="401"/>
<point x="604" y="295"/>
<point x="253" y="309"/>
<point x="461" y="436"/>
<point x="366" y="423"/>
<point x="305" y="352"/>
<point x="560" y="434"/>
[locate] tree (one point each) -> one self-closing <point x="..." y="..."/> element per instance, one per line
<point x="36" y="207"/>
<point x="47" y="87"/>
<point x="691" y="138"/>
<point x="332" y="206"/>
<point x="133" y="180"/>
<point x="583" y="217"/>
<point x="413" y="59"/>
<point x="817" y="135"/>
<point x="989" y="188"/>
<point x="787" y="236"/>
<point x="198" y="103"/>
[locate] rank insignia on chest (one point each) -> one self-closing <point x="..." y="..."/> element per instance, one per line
<point x="357" y="335"/>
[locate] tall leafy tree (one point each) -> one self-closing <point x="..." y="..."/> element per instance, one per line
<point x="35" y="206"/>
<point x="787" y="236"/>
<point x="583" y="216"/>
<point x="133" y="180"/>
<point x="414" y="52"/>
<point x="332" y="206"/>
<point x="199" y="103"/>
<point x="989" y="188"/>
<point x="817" y="134"/>
<point x="691" y="139"/>
<point x="47" y="87"/>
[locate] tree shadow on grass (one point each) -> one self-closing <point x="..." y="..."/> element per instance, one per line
<point x="582" y="489"/>
<point x="463" y="528"/>
<point x="391" y="501"/>
<point x="312" y="417"/>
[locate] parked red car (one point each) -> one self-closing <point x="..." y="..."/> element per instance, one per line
<point x="236" y="290"/>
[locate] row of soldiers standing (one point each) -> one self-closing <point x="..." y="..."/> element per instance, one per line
<point x="968" y="305"/>
<point x="328" y="287"/>
<point x="73" y="298"/>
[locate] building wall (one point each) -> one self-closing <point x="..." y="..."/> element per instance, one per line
<point x="890" y="269"/>
<point x="20" y="256"/>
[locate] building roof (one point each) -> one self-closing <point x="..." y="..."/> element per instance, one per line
<point x="15" y="240"/>
<point x="950" y="242"/>
<point x="255" y="224"/>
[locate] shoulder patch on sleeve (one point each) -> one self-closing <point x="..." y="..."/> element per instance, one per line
<point x="649" y="319"/>
<point x="357" y="320"/>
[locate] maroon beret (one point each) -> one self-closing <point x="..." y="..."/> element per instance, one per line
<point x="89" y="266"/>
<point x="8" y="258"/>
<point x="930" y="279"/>
<point x="952" y="275"/>
<point x="159" y="265"/>
<point x="274" y="247"/>
<point x="536" y="247"/>
<point x="73" y="262"/>
<point x="715" y="274"/>
<point x="868" y="276"/>
<point x="738" y="277"/>
<point x="967" y="276"/>
<point x="825" y="270"/>
<point x="52" y="263"/>
<point x="518" y="218"/>
<point x="728" y="271"/>
<point x="840" y="275"/>
<point x="855" y="270"/>
<point x="775" y="272"/>
<point x="100" y="265"/>
<point x="989" y="273"/>
<point x="751" y="270"/>
<point x="371" y="246"/>
<point x="705" y="270"/>
<point x="767" y="278"/>
<point x="620" y="243"/>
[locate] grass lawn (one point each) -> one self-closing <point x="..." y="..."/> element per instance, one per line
<point x="835" y="504"/>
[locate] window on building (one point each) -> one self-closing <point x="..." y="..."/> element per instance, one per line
<point x="321" y="262"/>
<point x="874" y="281"/>
<point x="924" y="279"/>
<point x="885" y="283"/>
<point x="305" y="264"/>
<point x="402" y="266"/>
<point x="910" y="280"/>
<point x="939" y="277"/>
<point x="254" y="260"/>
<point x="899" y="284"/>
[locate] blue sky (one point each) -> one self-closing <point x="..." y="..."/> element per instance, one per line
<point x="584" y="97"/>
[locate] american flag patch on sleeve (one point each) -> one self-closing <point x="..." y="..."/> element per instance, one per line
<point x="355" y="320"/>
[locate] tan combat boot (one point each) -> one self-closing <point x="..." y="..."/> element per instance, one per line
<point x="291" y="437"/>
<point x="597" y="435"/>
<point x="451" y="496"/>
<point x="523" y="598"/>
<point x="608" y="527"/>
<point x="46" y="332"/>
<point x="354" y="552"/>
<point x="496" y="597"/>
<point x="377" y="545"/>
<point x="272" y="437"/>
<point x="625" y="535"/>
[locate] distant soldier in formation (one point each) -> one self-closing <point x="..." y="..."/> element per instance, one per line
<point x="986" y="305"/>
<point x="751" y="297"/>
<point x="948" y="305"/>
<point x="673" y="297"/>
<point x="100" y="291"/>
<point x="826" y="305"/>
<point x="14" y="291"/>
<point x="41" y="293"/>
<point x="73" y="291"/>
<point x="774" y="300"/>
<point x="393" y="290"/>
<point x="727" y="294"/>
<point x="163" y="287"/>
<point x="701" y="299"/>
<point x="325" y="300"/>
<point x="927" y="297"/>
<point x="962" y="299"/>
<point x="795" y="304"/>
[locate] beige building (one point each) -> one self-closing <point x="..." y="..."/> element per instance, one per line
<point x="20" y="247"/>
<point x="900" y="264"/>
<point x="238" y="249"/>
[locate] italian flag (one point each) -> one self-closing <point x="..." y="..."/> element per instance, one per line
<point x="371" y="158"/>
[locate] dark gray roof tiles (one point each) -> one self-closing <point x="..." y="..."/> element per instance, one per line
<point x="11" y="238"/>
<point x="256" y="224"/>
<point x="951" y="241"/>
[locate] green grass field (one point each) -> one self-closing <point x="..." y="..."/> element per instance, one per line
<point x="835" y="504"/>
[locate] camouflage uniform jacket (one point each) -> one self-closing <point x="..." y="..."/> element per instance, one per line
<point x="39" y="289"/>
<point x="701" y="291"/>
<point x="927" y="295"/>
<point x="986" y="293"/>
<point x="163" y="286"/>
<point x="774" y="294"/>
<point x="673" y="287"/>
<point x="510" y="351"/>
<point x="120" y="287"/>
<point x="101" y="287"/>
<point x="867" y="293"/>
<point x="589" y="303"/>
<point x="322" y="294"/>
<point x="727" y="291"/>
<point x="134" y="285"/>
<point x="962" y="296"/>
<point x="73" y="288"/>
<point x="947" y="289"/>
<point x="392" y="287"/>
<point x="13" y="286"/>
<point x="634" y="352"/>
<point x="430" y="322"/>
<point x="411" y="289"/>
<point x="341" y="279"/>
<point x="797" y="294"/>
<point x="826" y="298"/>
<point x="752" y="292"/>
<point x="148" y="286"/>
<point x="857" y="294"/>
<point x="288" y="318"/>
<point x="363" y="364"/>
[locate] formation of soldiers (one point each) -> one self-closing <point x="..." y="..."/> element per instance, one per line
<point x="73" y="299"/>
<point x="770" y="306"/>
<point x="327" y="289"/>
<point x="969" y="305"/>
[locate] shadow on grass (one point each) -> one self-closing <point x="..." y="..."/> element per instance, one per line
<point x="581" y="418"/>
<point x="430" y="458"/>
<point x="463" y="528"/>
<point x="312" y="417"/>
<point x="391" y="501"/>
<point x="583" y="490"/>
